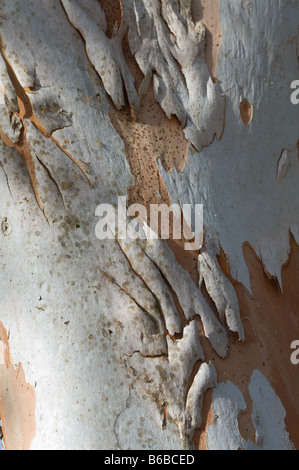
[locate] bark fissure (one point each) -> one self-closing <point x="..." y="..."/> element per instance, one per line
<point x="26" y="112"/>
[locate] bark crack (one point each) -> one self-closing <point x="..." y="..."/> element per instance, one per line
<point x="26" y="112"/>
<point x="158" y="303"/>
<point x="152" y="318"/>
<point x="6" y="177"/>
<point x="51" y="178"/>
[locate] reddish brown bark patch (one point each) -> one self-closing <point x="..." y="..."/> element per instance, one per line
<point x="113" y="13"/>
<point x="271" y="321"/>
<point x="246" y="112"/>
<point x="200" y="436"/>
<point x="207" y="11"/>
<point x="274" y="318"/>
<point x="17" y="402"/>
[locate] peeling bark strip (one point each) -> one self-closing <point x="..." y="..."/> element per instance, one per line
<point x="153" y="263"/>
<point x="169" y="48"/>
<point x="17" y="401"/>
<point x="222" y="292"/>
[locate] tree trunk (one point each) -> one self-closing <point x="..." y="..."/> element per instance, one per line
<point x="140" y="343"/>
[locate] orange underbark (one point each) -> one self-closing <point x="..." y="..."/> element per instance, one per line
<point x="17" y="402"/>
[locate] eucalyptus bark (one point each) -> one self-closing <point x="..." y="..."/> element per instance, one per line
<point x="136" y="344"/>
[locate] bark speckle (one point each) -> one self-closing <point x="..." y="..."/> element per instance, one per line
<point x="6" y="227"/>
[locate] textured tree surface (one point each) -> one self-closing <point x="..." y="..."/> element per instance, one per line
<point x="140" y="344"/>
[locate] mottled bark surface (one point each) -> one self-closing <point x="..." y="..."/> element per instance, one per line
<point x="140" y="344"/>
